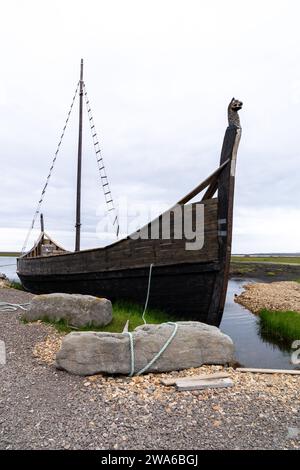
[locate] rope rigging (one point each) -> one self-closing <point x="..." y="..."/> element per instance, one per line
<point x="50" y="173"/>
<point x="102" y="172"/>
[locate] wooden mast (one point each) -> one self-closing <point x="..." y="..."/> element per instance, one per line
<point x="79" y="160"/>
<point x="42" y="223"/>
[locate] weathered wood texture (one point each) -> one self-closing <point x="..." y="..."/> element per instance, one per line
<point x="184" y="290"/>
<point x="225" y="214"/>
<point x="210" y="180"/>
<point x="44" y="247"/>
<point x="131" y="253"/>
<point x="203" y="384"/>
<point x="181" y="380"/>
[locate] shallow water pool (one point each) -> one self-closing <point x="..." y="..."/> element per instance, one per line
<point x="252" y="349"/>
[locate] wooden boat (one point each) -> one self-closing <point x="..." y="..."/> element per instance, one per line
<point x="189" y="284"/>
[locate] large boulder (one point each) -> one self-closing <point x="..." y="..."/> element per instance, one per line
<point x="88" y="353"/>
<point x="76" y="309"/>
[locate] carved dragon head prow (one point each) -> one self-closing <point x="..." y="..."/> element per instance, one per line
<point x="233" y="116"/>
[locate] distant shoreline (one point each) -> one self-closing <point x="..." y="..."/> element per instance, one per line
<point x="274" y="259"/>
<point x="265" y="271"/>
<point x="10" y="253"/>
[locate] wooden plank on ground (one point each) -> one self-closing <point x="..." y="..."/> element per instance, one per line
<point x="176" y="380"/>
<point x="268" y="371"/>
<point x="203" y="384"/>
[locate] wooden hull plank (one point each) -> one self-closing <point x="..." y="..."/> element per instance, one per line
<point x="184" y="291"/>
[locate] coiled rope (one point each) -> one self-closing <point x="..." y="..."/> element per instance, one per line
<point x="8" y="307"/>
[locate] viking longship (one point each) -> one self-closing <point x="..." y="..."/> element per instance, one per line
<point x="187" y="283"/>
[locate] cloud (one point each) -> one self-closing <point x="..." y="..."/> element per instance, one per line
<point x="159" y="76"/>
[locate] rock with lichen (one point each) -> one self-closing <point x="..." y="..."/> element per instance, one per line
<point x="75" y="309"/>
<point x="195" y="343"/>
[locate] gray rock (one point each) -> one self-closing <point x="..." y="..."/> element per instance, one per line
<point x="87" y="353"/>
<point x="76" y="309"/>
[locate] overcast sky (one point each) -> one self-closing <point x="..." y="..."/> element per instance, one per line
<point x="159" y="75"/>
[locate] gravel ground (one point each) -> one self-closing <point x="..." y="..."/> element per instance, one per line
<point x="273" y="296"/>
<point x="43" y="408"/>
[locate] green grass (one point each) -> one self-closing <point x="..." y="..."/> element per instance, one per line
<point x="122" y="312"/>
<point x="10" y="253"/>
<point x="269" y="259"/>
<point x="16" y="285"/>
<point x="243" y="269"/>
<point x="285" y="326"/>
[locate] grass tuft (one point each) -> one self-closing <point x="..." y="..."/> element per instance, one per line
<point x="122" y="311"/>
<point x="284" y="326"/>
<point x="16" y="285"/>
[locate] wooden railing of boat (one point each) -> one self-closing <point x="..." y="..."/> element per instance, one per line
<point x="44" y="246"/>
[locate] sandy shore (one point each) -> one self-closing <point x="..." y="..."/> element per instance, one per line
<point x="43" y="408"/>
<point x="272" y="296"/>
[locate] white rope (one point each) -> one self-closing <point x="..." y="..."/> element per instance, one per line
<point x="148" y="293"/>
<point x="155" y="358"/>
<point x="8" y="307"/>
<point x="128" y="333"/>
<point x="131" y="343"/>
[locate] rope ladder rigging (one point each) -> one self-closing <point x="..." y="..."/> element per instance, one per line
<point x="100" y="163"/>
<point x="102" y="172"/>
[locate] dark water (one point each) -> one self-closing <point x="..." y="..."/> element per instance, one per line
<point x="252" y="349"/>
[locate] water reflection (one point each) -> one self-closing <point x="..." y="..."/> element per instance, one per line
<point x="254" y="348"/>
<point x="283" y="345"/>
